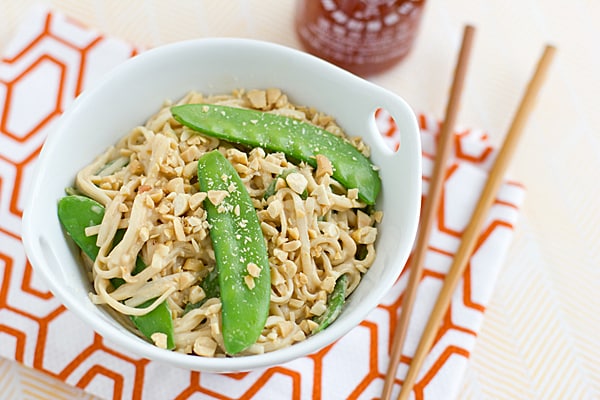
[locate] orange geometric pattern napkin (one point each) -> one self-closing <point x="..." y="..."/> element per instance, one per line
<point x="47" y="64"/>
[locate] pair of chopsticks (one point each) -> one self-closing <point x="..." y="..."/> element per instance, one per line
<point x="471" y="233"/>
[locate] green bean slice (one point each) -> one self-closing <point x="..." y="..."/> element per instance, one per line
<point x="299" y="140"/>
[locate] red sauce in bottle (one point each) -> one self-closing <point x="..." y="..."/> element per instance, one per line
<point x="363" y="36"/>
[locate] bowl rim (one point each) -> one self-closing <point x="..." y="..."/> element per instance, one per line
<point x="139" y="346"/>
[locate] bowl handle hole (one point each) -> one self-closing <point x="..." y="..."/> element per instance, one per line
<point x="388" y="128"/>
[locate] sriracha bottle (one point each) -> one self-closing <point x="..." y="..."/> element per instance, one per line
<point x="363" y="36"/>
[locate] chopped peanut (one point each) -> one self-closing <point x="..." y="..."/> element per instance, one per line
<point x="196" y="200"/>
<point x="258" y="99"/>
<point x="293" y="233"/>
<point x="273" y="95"/>
<point x="285" y="328"/>
<point x="365" y="235"/>
<point x="352" y="194"/>
<point x="363" y="219"/>
<point x="196" y="294"/>
<point x="328" y="283"/>
<point x="180" y="204"/>
<point x="324" y="166"/>
<point x="205" y="346"/>
<point x="175" y="185"/>
<point x="159" y="339"/>
<point x="297" y="182"/>
<point x="275" y="208"/>
<point x="291" y="246"/>
<point x="249" y="281"/>
<point x="192" y="264"/>
<point x="253" y="270"/>
<point x="318" y="308"/>
<point x="217" y="196"/>
<point x="178" y="228"/>
<point x="192" y="153"/>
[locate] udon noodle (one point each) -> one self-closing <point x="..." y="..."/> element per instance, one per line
<point x="315" y="229"/>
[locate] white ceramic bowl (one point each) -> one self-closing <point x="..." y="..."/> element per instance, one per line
<point x="136" y="89"/>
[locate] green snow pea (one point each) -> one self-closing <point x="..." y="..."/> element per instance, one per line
<point x="240" y="253"/>
<point x="299" y="140"/>
<point x="335" y="302"/>
<point x="77" y="212"/>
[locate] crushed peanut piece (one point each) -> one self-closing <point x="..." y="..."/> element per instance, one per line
<point x="353" y="194"/>
<point x="159" y="339"/>
<point x="328" y="284"/>
<point x="163" y="208"/>
<point x="217" y="196"/>
<point x="149" y="202"/>
<point x="192" y="153"/>
<point x="291" y="246"/>
<point x="318" y="308"/>
<point x="290" y="268"/>
<point x="258" y="99"/>
<point x="285" y="328"/>
<point x="249" y="281"/>
<point x="178" y="228"/>
<point x="276" y="278"/>
<point x="144" y="188"/>
<point x="192" y="264"/>
<point x="184" y="280"/>
<point x="196" y="294"/>
<point x="293" y="233"/>
<point x="205" y="346"/>
<point x="273" y="95"/>
<point x="180" y="204"/>
<point x="275" y="208"/>
<point x="196" y="200"/>
<point x="378" y="216"/>
<point x="297" y="182"/>
<point x="363" y="219"/>
<point x="295" y="303"/>
<point x="175" y="185"/>
<point x="144" y="233"/>
<point x="308" y="325"/>
<point x="253" y="269"/>
<point x="156" y="195"/>
<point x="321" y="195"/>
<point x="280" y="254"/>
<point x="324" y="166"/>
<point x="365" y="235"/>
<point x="299" y="336"/>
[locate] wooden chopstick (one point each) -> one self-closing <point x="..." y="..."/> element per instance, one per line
<point x="471" y="233"/>
<point x="431" y="204"/>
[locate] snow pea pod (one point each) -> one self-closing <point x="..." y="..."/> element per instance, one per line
<point x="335" y="302"/>
<point x="299" y="140"/>
<point x="77" y="212"/>
<point x="240" y="252"/>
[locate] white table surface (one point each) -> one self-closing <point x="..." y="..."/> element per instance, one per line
<point x="540" y="335"/>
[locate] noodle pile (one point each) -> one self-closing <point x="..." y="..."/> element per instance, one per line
<point x="315" y="229"/>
